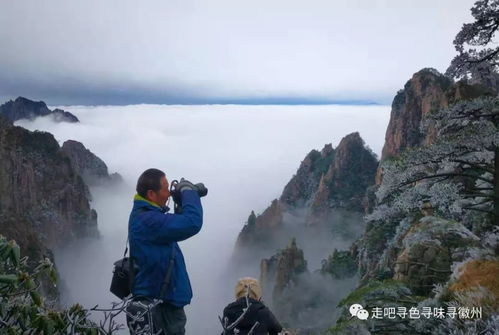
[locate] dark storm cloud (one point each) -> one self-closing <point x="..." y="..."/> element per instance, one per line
<point x="120" y="52"/>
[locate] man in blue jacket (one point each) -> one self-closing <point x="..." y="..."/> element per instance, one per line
<point x="153" y="236"/>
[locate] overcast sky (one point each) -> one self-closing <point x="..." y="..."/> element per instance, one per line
<point x="169" y="51"/>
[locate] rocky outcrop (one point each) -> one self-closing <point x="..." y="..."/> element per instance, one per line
<point x="260" y="230"/>
<point x="345" y="183"/>
<point x="420" y="252"/>
<point x="91" y="168"/>
<point x="60" y="115"/>
<point x="414" y="256"/>
<point x="4" y="121"/>
<point x="427" y="91"/>
<point x="423" y="256"/>
<point x="280" y="279"/>
<point x="300" y="190"/>
<point x="376" y="293"/>
<point x="23" y="108"/>
<point x="427" y="251"/>
<point x="326" y="183"/>
<point x="424" y="92"/>
<point x="282" y="269"/>
<point x="43" y="200"/>
<point x="301" y="299"/>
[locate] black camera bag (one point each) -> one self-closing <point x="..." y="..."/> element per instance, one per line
<point x="123" y="276"/>
<point x="122" y="279"/>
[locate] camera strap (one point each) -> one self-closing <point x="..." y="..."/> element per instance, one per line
<point x="131" y="267"/>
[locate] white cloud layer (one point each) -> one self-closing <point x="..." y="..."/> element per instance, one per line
<point x="244" y="154"/>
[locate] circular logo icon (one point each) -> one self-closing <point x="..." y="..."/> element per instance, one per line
<point x="359" y="311"/>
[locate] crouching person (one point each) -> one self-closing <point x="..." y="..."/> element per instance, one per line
<point x="248" y="315"/>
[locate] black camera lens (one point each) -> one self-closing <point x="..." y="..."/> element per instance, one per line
<point x="202" y="190"/>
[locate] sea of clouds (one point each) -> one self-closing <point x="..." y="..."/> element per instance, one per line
<point x="245" y="155"/>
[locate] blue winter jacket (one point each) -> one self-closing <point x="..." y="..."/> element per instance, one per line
<point x="152" y="235"/>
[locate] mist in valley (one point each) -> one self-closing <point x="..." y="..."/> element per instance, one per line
<point x="310" y="303"/>
<point x="245" y="155"/>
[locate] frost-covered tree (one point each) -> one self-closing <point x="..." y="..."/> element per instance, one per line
<point x="478" y="52"/>
<point x="23" y="310"/>
<point x="457" y="173"/>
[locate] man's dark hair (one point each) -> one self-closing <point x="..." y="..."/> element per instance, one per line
<point x="150" y="179"/>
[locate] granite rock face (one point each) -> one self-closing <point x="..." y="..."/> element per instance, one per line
<point x="427" y="250"/>
<point x="23" y="108"/>
<point x="427" y="91"/>
<point x="345" y="183"/>
<point x="326" y="183"/>
<point x="300" y="190"/>
<point x="281" y="270"/>
<point x="4" y="121"/>
<point x="324" y="200"/>
<point x="281" y="277"/>
<point x="91" y="168"/>
<point x="261" y="229"/>
<point x="42" y="197"/>
<point x="302" y="300"/>
<point x="421" y="258"/>
<point x="408" y="256"/>
<point x="44" y="202"/>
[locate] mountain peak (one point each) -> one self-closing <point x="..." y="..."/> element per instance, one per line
<point x="23" y="108"/>
<point x="92" y="169"/>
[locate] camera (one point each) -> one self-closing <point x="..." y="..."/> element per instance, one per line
<point x="177" y="197"/>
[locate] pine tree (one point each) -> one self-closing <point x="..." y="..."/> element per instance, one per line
<point x="458" y="172"/>
<point x="478" y="53"/>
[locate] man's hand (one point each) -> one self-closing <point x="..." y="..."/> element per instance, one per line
<point x="183" y="185"/>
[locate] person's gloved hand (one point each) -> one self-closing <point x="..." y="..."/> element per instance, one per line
<point x="184" y="184"/>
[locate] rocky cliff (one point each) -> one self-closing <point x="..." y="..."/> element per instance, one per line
<point x="299" y="191"/>
<point x="426" y="91"/>
<point x="261" y="230"/>
<point x="325" y="200"/>
<point x="281" y="279"/>
<point x="328" y="182"/>
<point x="91" y="168"/>
<point x="43" y="200"/>
<point x="416" y="251"/>
<point x="23" y="108"/>
<point x="346" y="181"/>
<point x="301" y="299"/>
<point x="415" y="254"/>
<point x="281" y="270"/>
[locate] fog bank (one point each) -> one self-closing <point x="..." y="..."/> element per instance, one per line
<point x="245" y="155"/>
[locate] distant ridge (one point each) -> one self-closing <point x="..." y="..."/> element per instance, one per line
<point x="23" y="108"/>
<point x="121" y="100"/>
